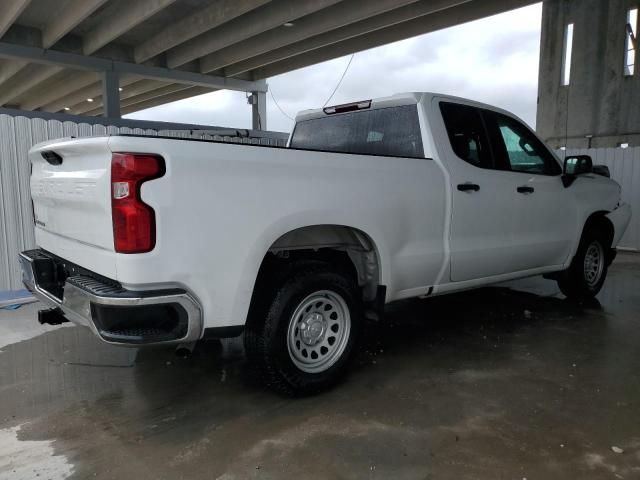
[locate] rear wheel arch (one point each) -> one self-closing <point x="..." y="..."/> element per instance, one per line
<point x="348" y="248"/>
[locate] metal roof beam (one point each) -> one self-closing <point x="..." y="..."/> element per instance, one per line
<point x="330" y="18"/>
<point x="67" y="19"/>
<point x="82" y="62"/>
<point x="9" y="68"/>
<point x="271" y="15"/>
<point x="25" y="79"/>
<point x="171" y="97"/>
<point x="134" y="89"/>
<point x="155" y="93"/>
<point x="120" y="22"/>
<point x="80" y="96"/>
<point x="466" y="12"/>
<point x="77" y="97"/>
<point x="49" y="92"/>
<point x="63" y="22"/>
<point x="11" y="10"/>
<point x="193" y="25"/>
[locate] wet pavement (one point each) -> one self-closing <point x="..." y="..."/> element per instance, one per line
<point x="507" y="382"/>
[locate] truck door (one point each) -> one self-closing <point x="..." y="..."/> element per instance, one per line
<point x="544" y="223"/>
<point x="482" y="210"/>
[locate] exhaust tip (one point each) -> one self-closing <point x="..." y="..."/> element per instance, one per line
<point x="184" y="350"/>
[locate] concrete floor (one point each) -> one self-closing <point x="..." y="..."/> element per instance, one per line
<point x="501" y="383"/>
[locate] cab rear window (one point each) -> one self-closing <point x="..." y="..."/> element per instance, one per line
<point x="393" y="131"/>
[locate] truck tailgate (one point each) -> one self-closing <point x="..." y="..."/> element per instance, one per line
<point x="71" y="191"/>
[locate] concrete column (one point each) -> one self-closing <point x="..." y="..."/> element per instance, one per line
<point x="258" y="102"/>
<point x="111" y="94"/>
<point x="601" y="105"/>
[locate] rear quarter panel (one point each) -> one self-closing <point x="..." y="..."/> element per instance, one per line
<point x="220" y="207"/>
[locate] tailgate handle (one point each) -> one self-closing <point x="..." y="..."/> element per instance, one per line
<point x="52" y="158"/>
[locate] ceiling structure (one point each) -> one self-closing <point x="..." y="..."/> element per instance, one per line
<point x="66" y="55"/>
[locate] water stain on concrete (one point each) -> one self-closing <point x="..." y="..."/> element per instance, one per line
<point x="28" y="459"/>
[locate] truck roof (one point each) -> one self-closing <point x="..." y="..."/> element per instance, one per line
<point x="395" y="100"/>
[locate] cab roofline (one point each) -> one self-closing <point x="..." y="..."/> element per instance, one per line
<point x="400" y="99"/>
<point x="396" y="100"/>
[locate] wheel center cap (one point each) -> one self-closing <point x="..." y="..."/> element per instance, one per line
<point x="312" y="328"/>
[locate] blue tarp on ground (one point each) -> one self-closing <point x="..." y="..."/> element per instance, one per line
<point x="14" y="295"/>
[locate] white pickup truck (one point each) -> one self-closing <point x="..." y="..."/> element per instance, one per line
<point x="150" y="240"/>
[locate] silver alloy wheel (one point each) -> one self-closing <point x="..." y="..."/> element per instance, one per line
<point x="594" y="263"/>
<point x="318" y="331"/>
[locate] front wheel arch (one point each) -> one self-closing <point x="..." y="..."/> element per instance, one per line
<point x="599" y="222"/>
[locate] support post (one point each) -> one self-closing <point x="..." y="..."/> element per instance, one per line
<point x="259" y="110"/>
<point x="111" y="94"/>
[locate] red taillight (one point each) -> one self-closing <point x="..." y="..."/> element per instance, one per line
<point x="134" y="223"/>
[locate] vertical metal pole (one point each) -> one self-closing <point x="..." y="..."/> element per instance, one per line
<point x="259" y="110"/>
<point x="110" y="95"/>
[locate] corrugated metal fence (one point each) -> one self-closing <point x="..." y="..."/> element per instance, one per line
<point x="624" y="164"/>
<point x="18" y="134"/>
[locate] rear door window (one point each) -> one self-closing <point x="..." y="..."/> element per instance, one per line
<point x="393" y="131"/>
<point x="467" y="134"/>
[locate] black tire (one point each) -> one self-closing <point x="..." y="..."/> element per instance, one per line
<point x="576" y="283"/>
<point x="268" y="331"/>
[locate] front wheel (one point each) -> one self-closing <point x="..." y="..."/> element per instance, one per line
<point x="588" y="270"/>
<point x="301" y="338"/>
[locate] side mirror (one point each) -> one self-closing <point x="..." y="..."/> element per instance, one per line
<point x="578" y="164"/>
<point x="575" y="165"/>
<point x="602" y="170"/>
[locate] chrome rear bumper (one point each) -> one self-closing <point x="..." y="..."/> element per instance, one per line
<point x="116" y="315"/>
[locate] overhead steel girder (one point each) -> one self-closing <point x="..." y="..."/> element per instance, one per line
<point x="81" y="62"/>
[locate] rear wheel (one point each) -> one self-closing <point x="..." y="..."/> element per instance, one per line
<point x="588" y="270"/>
<point x="300" y="337"/>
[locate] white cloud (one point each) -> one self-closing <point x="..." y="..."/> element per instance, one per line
<point x="494" y="60"/>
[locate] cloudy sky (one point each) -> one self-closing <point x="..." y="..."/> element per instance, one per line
<point x="494" y="60"/>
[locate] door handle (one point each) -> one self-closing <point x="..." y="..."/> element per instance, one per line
<point x="526" y="190"/>
<point x="468" y="187"/>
